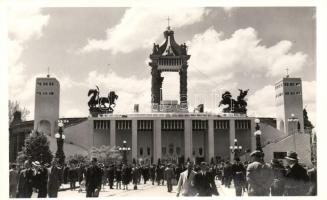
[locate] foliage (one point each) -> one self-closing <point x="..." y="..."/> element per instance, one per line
<point x="36" y="148"/>
<point x="14" y="106"/>
<point x="76" y="159"/>
<point x="106" y="154"/>
<point x="307" y="122"/>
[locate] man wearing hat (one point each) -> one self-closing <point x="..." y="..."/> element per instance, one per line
<point x="185" y="183"/>
<point x="296" y="183"/>
<point x="93" y="179"/>
<point x="13" y="181"/>
<point x="259" y="175"/>
<point x="25" y="181"/>
<point x="55" y="175"/>
<point x="238" y="175"/>
<point x="204" y="183"/>
<point x="169" y="175"/>
<point x="40" y="179"/>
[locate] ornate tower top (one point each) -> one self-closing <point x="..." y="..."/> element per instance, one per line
<point x="169" y="57"/>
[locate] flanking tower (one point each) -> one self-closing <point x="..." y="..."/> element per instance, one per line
<point x="46" y="111"/>
<point x="169" y="57"/>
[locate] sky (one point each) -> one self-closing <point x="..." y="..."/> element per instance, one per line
<point x="231" y="48"/>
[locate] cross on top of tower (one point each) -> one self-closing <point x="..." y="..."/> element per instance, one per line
<point x="168" y="19"/>
<point x="287" y="75"/>
<point x="48" y="75"/>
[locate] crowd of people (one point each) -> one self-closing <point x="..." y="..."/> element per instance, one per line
<point x="256" y="178"/>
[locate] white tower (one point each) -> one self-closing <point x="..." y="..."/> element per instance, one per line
<point x="46" y="111"/>
<point x="289" y="105"/>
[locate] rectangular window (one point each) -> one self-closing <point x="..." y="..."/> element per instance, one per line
<point x="39" y="83"/>
<point x="297" y="84"/>
<point x="285" y="84"/>
<point x="292" y="93"/>
<point x="51" y="93"/>
<point x="291" y="84"/>
<point x="45" y="93"/>
<point x="39" y="93"/>
<point x="287" y="93"/>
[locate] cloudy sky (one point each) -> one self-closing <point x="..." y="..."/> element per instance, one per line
<point x="230" y="48"/>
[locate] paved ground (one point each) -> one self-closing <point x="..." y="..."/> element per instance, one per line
<point x="147" y="190"/>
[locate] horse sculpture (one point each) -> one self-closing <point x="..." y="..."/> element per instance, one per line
<point x="100" y="105"/>
<point x="234" y="106"/>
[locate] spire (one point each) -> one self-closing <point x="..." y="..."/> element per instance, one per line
<point x="287" y="75"/>
<point x="168" y="27"/>
<point x="48" y="75"/>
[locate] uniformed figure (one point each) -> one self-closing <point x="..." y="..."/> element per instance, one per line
<point x="125" y="174"/>
<point x="153" y="173"/>
<point x="277" y="187"/>
<point x="204" y="183"/>
<point x="55" y="174"/>
<point x="93" y="179"/>
<point x="259" y="175"/>
<point x="25" y="181"/>
<point x="227" y="173"/>
<point x="111" y="176"/>
<point x="118" y="177"/>
<point x="169" y="175"/>
<point x="13" y="181"/>
<point x="238" y="175"/>
<point x="72" y="176"/>
<point x="297" y="179"/>
<point x="185" y="184"/>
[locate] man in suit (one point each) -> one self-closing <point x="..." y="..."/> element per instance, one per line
<point x="93" y="179"/>
<point x="185" y="181"/>
<point x="13" y="181"/>
<point x="169" y="175"/>
<point x="55" y="175"/>
<point x="259" y="175"/>
<point x="297" y="179"/>
<point x="204" y="183"/>
<point x="40" y="179"/>
<point x="238" y="175"/>
<point x="25" y="181"/>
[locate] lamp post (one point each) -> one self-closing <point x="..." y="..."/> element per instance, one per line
<point x="60" y="142"/>
<point x="124" y="149"/>
<point x="293" y="121"/>
<point x="235" y="149"/>
<point x="257" y="135"/>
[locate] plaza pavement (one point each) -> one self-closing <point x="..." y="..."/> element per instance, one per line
<point x="147" y="190"/>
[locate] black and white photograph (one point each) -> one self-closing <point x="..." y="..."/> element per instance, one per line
<point x="160" y="101"/>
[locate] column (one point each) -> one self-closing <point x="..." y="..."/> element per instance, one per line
<point x="134" y="139"/>
<point x="188" y="143"/>
<point x="183" y="86"/>
<point x="231" y="136"/>
<point x="157" y="140"/>
<point x="112" y="132"/>
<point x="253" y="144"/>
<point x="211" y="140"/>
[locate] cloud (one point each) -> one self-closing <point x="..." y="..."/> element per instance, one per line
<point x="129" y="34"/>
<point x="242" y="52"/>
<point x="229" y="10"/>
<point x="24" y="24"/>
<point x="262" y="102"/>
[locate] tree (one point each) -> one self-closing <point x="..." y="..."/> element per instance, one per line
<point x="106" y="154"/>
<point x="307" y="122"/>
<point x="36" y="148"/>
<point x="14" y="106"/>
<point x="76" y="159"/>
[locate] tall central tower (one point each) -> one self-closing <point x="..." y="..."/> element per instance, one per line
<point x="169" y="57"/>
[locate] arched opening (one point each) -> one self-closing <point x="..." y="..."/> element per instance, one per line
<point x="45" y="127"/>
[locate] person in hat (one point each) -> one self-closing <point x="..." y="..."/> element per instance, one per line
<point x="259" y="175"/>
<point x="13" y="181"/>
<point x="204" y="183"/>
<point x="93" y="179"/>
<point x="169" y="175"/>
<point x="279" y="171"/>
<point x="55" y="176"/>
<point x="40" y="179"/>
<point x="185" y="184"/>
<point x="25" y="181"/>
<point x="238" y="175"/>
<point x="296" y="183"/>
